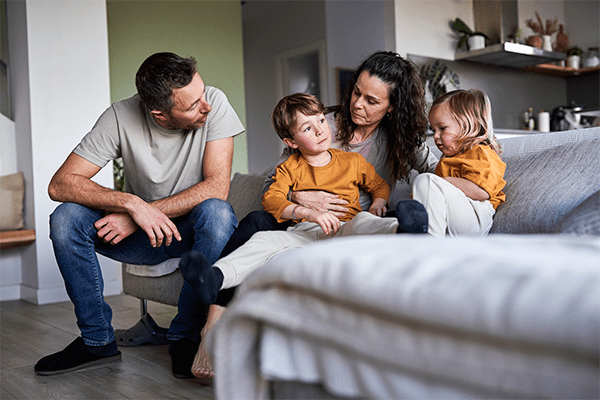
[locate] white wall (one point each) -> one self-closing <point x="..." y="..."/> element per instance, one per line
<point x="351" y="30"/>
<point x="582" y="19"/>
<point x="60" y="85"/>
<point x="10" y="260"/>
<point x="424" y="27"/>
<point x="355" y="29"/>
<point x="424" y="32"/>
<point x="546" y="10"/>
<point x="272" y="28"/>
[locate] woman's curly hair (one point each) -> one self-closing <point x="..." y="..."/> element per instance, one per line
<point x="406" y="125"/>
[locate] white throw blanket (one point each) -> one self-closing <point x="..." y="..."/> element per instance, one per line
<point x="416" y="317"/>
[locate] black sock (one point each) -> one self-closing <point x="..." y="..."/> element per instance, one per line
<point x="412" y="217"/>
<point x="201" y="275"/>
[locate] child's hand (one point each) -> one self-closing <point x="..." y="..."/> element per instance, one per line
<point x="470" y="189"/>
<point x="378" y="207"/>
<point x="326" y="220"/>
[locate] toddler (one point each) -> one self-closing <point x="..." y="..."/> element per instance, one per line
<point x="299" y="121"/>
<point x="463" y="194"/>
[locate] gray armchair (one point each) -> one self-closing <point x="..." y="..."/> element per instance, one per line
<point x="244" y="196"/>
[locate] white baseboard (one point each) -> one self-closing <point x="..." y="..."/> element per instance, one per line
<point x="57" y="295"/>
<point x="12" y="292"/>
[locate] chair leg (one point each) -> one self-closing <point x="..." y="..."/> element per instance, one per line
<point x="143" y="307"/>
<point x="146" y="331"/>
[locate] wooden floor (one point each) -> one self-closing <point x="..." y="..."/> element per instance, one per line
<point x="29" y="332"/>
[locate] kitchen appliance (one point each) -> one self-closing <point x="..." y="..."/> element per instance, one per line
<point x="568" y="117"/>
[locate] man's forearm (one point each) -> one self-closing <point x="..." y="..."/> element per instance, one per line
<point x="184" y="202"/>
<point x="79" y="189"/>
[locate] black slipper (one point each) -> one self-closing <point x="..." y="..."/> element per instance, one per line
<point x="146" y="331"/>
<point x="74" y="357"/>
<point x="183" y="352"/>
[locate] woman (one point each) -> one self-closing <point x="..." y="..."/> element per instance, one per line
<point x="382" y="116"/>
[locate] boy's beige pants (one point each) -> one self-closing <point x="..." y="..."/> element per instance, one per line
<point x="262" y="246"/>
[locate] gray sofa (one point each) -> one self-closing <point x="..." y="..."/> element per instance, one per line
<point x="515" y="314"/>
<point x="553" y="184"/>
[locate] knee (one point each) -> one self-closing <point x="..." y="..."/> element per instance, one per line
<point x="215" y="214"/>
<point x="259" y="220"/>
<point x="67" y="219"/>
<point x="422" y="181"/>
<point x="216" y="209"/>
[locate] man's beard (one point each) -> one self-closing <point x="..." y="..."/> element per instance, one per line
<point x="175" y="124"/>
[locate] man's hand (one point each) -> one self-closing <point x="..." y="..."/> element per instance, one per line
<point x="117" y="226"/>
<point x="156" y="224"/>
<point x="321" y="201"/>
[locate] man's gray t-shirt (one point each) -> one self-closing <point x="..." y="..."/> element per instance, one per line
<point x="157" y="162"/>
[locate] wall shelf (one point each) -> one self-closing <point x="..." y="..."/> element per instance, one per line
<point x="511" y="55"/>
<point x="563" y="72"/>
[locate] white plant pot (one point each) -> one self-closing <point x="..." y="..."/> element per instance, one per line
<point x="573" y="62"/>
<point x="476" y="42"/>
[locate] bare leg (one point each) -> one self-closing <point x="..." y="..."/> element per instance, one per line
<point x="201" y="368"/>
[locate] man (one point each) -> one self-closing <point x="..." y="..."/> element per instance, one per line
<point x="176" y="141"/>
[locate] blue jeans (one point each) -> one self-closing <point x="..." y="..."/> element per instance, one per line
<point x="206" y="229"/>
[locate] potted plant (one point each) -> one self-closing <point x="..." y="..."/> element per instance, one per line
<point x="545" y="32"/>
<point x="473" y="40"/>
<point x="574" y="56"/>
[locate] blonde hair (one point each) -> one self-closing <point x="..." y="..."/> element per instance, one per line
<point x="473" y="112"/>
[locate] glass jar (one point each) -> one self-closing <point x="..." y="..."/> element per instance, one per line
<point x="590" y="58"/>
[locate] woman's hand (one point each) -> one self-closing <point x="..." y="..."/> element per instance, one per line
<point x="378" y="207"/>
<point x="321" y="201"/>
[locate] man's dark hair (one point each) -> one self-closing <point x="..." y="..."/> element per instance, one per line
<point x="159" y="74"/>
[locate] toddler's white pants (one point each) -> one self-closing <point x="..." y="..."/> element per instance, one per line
<point x="449" y="210"/>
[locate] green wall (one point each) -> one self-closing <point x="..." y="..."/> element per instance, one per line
<point x="210" y="31"/>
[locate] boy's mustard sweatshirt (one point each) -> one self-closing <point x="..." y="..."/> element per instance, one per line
<point x="344" y="174"/>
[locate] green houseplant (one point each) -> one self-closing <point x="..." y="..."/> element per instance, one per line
<point x="575" y="51"/>
<point x="461" y="27"/>
<point x="574" y="56"/>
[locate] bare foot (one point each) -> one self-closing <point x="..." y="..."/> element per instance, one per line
<point x="202" y="368"/>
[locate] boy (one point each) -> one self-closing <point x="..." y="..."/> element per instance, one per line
<point x="299" y="121"/>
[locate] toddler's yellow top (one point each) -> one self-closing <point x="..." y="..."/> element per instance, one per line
<point x="482" y="166"/>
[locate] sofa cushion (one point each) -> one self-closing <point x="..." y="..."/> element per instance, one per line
<point x="12" y="188"/>
<point x="543" y="187"/>
<point x="583" y="219"/>
<point x="245" y="192"/>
